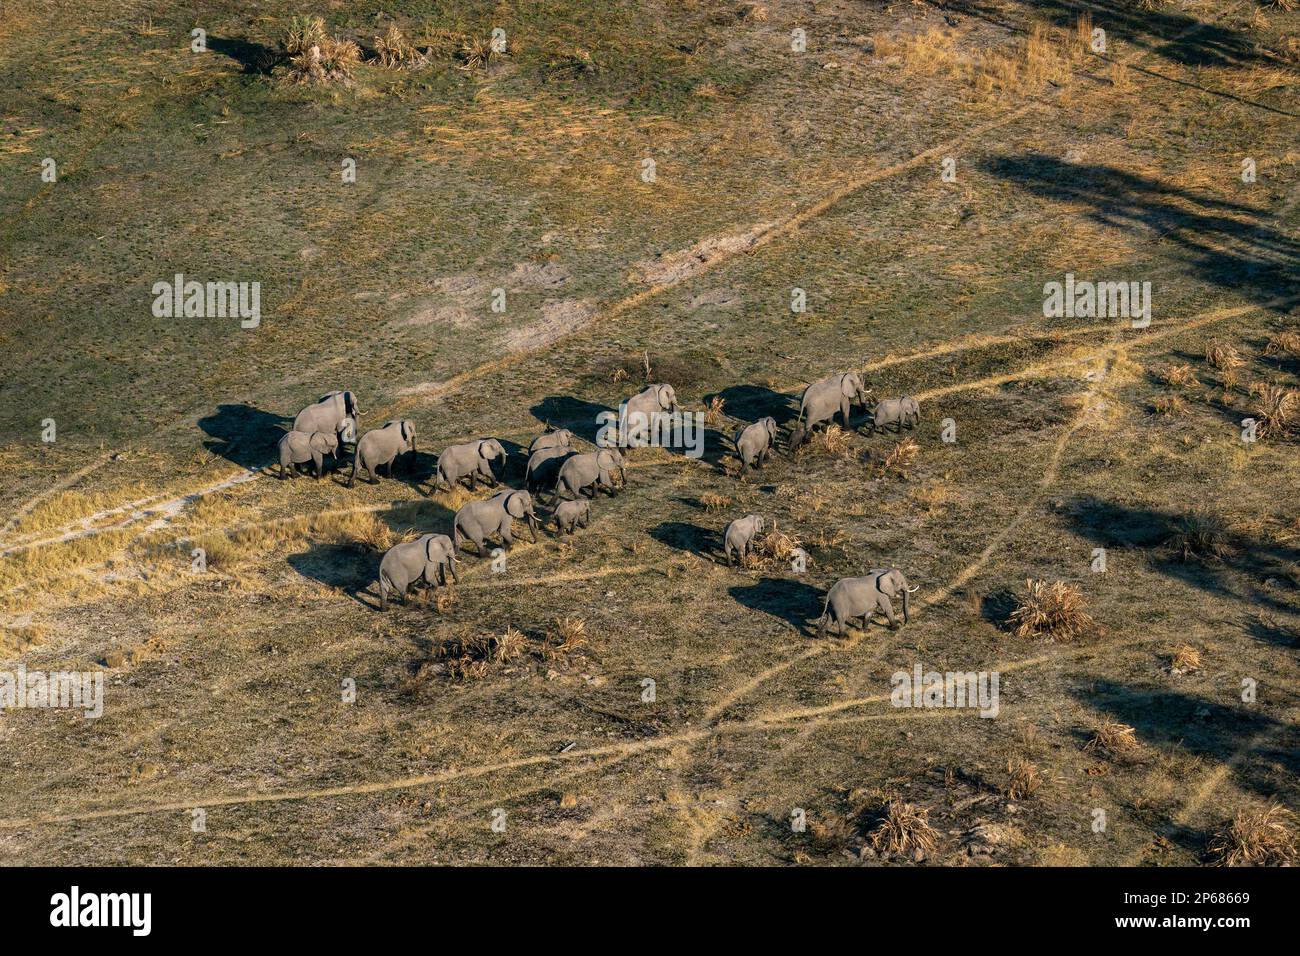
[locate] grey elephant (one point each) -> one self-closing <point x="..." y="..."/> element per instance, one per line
<point x="544" y="467"/>
<point x="557" y="438"/>
<point x="821" y="400"/>
<point x="640" y="411"/>
<point x="897" y="412"/>
<point x="852" y="598"/>
<point x="754" y="443"/>
<point x="382" y="446"/>
<point x="428" y="558"/>
<point x="298" y="448"/>
<point x="594" y="470"/>
<point x="479" y="520"/>
<point x="738" y="537"/>
<point x="471" y="460"/>
<point x="329" y="414"/>
<point x="571" y="514"/>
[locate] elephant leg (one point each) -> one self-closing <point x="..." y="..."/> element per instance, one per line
<point x="318" y="462"/>
<point x="887" y="606"/>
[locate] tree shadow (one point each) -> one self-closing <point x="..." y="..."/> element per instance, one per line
<point x="244" y="434"/>
<point x="255" y="58"/>
<point x="789" y="600"/>
<point x="1238" y="574"/>
<point x="1227" y="244"/>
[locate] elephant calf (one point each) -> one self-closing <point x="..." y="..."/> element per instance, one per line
<point x="738" y="537"/>
<point x="480" y="519"/>
<point x="754" y="443"/>
<point x="298" y="448"/>
<point x="897" y="412"/>
<point x="568" y="514"/>
<point x="593" y="469"/>
<point x="472" y="460"/>
<point x="852" y="598"/>
<point x="427" y="559"/>
<point x="559" y="438"/>
<point x="382" y="446"/>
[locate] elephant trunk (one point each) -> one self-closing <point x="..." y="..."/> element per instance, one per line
<point x="532" y="525"/>
<point x="907" y="604"/>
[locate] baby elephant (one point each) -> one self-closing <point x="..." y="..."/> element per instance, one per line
<point x="567" y="514"/>
<point x="382" y="446"/>
<point x="853" y="598"/>
<point x="298" y="448"/>
<point x="427" y="558"/>
<point x="738" y="537"/>
<point x="897" y="412"/>
<point x="754" y="443"/>
<point x="559" y="438"/>
<point x="480" y="519"/>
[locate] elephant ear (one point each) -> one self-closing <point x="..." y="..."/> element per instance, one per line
<point x="847" y="386"/>
<point x="515" y="505"/>
<point x="405" y="427"/>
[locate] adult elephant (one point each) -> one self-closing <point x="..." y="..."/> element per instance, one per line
<point x="330" y="414"/>
<point x="640" y="412"/>
<point x="479" y="520"/>
<point x="821" y="400"/>
<point x="594" y="470"/>
<point x="853" y="598"/>
<point x="382" y="446"/>
<point x="429" y="558"/>
<point x="471" y="460"/>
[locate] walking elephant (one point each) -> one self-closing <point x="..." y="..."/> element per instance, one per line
<point x="428" y="558"/>
<point x="738" y="537"/>
<point x="298" y="448"/>
<point x="852" y="598"/>
<point x="754" y="443"/>
<point x="471" y="460"/>
<point x="821" y="400"/>
<point x="640" y="412"/>
<point x="570" y="514"/>
<point x="898" y="412"/>
<point x="329" y="414"/>
<point x="544" y="466"/>
<point x="556" y="438"/>
<point x="594" y="470"/>
<point x="479" y="520"/>
<point x="382" y="446"/>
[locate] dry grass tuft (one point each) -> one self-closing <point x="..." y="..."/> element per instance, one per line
<point x="1223" y="356"/>
<point x="566" y="636"/>
<point x="1185" y="658"/>
<point x="303" y="34"/>
<point x="1276" y="409"/>
<point x="1284" y="343"/>
<point x="1201" y="534"/>
<point x="396" y="52"/>
<point x="904" y="828"/>
<point x="1171" y="405"/>
<point x="832" y="441"/>
<point x="753" y="12"/>
<point x="477" y="53"/>
<point x="713" y="413"/>
<point x="779" y="546"/>
<point x="1051" y="610"/>
<point x="1181" y="376"/>
<point x="710" y="501"/>
<point x="1024" y="780"/>
<point x="1257" y="837"/>
<point x="1286" y="6"/>
<point x="1112" y="738"/>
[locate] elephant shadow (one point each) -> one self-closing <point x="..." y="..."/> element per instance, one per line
<point x="575" y="414"/>
<point x="244" y="434"/>
<point x="256" y="58"/>
<point x="350" y="568"/>
<point x="516" y="463"/>
<point x="690" y="538"/>
<point x="789" y="600"/>
<point x="749" y="403"/>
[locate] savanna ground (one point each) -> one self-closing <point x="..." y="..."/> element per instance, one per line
<point x="776" y="170"/>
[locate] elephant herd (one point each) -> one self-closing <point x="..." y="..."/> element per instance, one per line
<point x="574" y="478"/>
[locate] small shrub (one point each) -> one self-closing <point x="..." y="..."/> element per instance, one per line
<point x="1051" y="610"/>
<point x="711" y="501"/>
<point x="395" y="51"/>
<point x="1201" y="534"/>
<point x="1181" y="376"/>
<point x="1185" y="658"/>
<point x="476" y="53"/>
<point x="1223" y="356"/>
<point x="904" y="829"/>
<point x="832" y="441"/>
<point x="1112" y="738"/>
<point x="714" y="412"/>
<point x="1284" y="343"/>
<point x="1257" y="837"/>
<point x="1024" y="780"/>
<point x="1169" y="405"/>
<point x="1275" y="409"/>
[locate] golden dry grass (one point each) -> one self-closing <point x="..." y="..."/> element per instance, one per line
<point x="1180" y="376"/>
<point x="1023" y="778"/>
<point x="1283" y="343"/>
<point x="395" y="51"/>
<point x="1112" y="738"/>
<point x="904" y="829"/>
<point x="1262" y="836"/>
<point x="1052" y="610"/>
<point x="1275" y="408"/>
<point x="712" y="502"/>
<point x="1170" y="405"/>
<point x="1185" y="658"/>
<point x="1223" y="356"/>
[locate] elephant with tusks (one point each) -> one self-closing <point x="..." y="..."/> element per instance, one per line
<point x="738" y="538"/>
<point x="641" y="412"/>
<point x="428" y="558"/>
<point x="821" y="400"/>
<point x="472" y="460"/>
<point x="298" y="448"/>
<point x="383" y="446"/>
<point x="899" y="412"/>
<point x="852" y="598"/>
<point x="754" y="443"/>
<point x="571" y="514"/>
<point x="479" y="520"/>
<point x="594" y="470"/>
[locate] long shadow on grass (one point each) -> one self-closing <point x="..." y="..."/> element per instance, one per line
<point x="1202" y="726"/>
<point x="577" y="415"/>
<point x="1238" y="574"/>
<point x="255" y="58"/>
<point x="791" y="601"/>
<point x="346" y="567"/>
<point x="1257" y="261"/>
<point x="691" y="538"/>
<point x="244" y="434"/>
